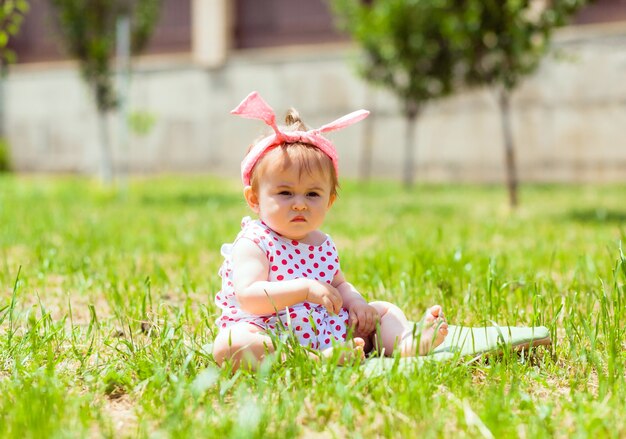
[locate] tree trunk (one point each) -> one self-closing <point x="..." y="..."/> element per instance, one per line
<point x="411" y="113"/>
<point x="5" y="160"/>
<point x="106" y="162"/>
<point x="123" y="86"/>
<point x="3" y="72"/>
<point x="509" y="149"/>
<point x="365" y="163"/>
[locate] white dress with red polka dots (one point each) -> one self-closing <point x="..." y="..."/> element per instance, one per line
<point x="312" y="324"/>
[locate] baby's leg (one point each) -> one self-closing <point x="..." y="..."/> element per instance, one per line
<point x="244" y="344"/>
<point x="396" y="332"/>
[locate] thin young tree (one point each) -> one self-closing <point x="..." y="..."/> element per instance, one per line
<point x="410" y="47"/>
<point x="507" y="39"/>
<point x="88" y="32"/>
<point x="12" y="14"/>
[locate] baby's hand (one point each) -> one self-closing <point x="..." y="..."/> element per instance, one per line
<point x="363" y="318"/>
<point x="325" y="294"/>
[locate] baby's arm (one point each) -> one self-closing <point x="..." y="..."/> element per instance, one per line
<point x="257" y="295"/>
<point x="363" y="316"/>
<point x="349" y="294"/>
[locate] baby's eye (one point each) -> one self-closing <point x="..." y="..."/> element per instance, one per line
<point x="285" y="193"/>
<point x="312" y="194"/>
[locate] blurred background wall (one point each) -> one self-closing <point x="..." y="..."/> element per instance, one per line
<point x="206" y="55"/>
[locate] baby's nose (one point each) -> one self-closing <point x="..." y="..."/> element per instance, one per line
<point x="299" y="203"/>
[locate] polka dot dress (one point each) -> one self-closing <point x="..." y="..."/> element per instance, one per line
<point x="312" y="324"/>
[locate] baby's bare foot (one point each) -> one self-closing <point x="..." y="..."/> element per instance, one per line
<point x="349" y="351"/>
<point x="429" y="334"/>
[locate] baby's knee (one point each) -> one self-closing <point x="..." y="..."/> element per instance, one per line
<point x="228" y="345"/>
<point x="240" y="344"/>
<point x="221" y="348"/>
<point x="384" y="307"/>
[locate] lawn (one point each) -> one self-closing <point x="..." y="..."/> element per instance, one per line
<point x="106" y="312"/>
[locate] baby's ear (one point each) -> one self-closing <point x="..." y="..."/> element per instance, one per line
<point x="251" y="198"/>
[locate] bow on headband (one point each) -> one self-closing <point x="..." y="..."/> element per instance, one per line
<point x="254" y="107"/>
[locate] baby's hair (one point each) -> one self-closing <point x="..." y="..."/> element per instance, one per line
<point x="308" y="157"/>
<point x="293" y="121"/>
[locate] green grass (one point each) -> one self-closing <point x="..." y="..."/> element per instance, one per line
<point x="106" y="312"/>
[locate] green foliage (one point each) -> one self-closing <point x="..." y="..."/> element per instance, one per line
<point x="141" y="122"/>
<point x="5" y="156"/>
<point x="508" y="38"/>
<point x="421" y="49"/>
<point x="411" y="46"/>
<point x="11" y="17"/>
<point x="88" y="28"/>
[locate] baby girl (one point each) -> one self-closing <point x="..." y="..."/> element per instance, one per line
<point x="282" y="273"/>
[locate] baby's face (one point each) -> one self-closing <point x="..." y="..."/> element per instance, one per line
<point x="293" y="203"/>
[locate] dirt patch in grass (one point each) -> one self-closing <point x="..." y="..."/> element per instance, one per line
<point x="121" y="411"/>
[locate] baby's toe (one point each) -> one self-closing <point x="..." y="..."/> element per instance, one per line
<point x="429" y="319"/>
<point x="435" y="311"/>
<point x="359" y="345"/>
<point x="358" y="342"/>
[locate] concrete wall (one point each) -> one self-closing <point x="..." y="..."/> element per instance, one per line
<point x="569" y="119"/>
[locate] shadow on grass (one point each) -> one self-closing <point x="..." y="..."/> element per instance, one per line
<point x="598" y="215"/>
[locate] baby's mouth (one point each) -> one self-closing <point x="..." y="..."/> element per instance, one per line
<point x="298" y="219"/>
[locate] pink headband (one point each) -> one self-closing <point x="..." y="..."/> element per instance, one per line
<point x="254" y="107"/>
